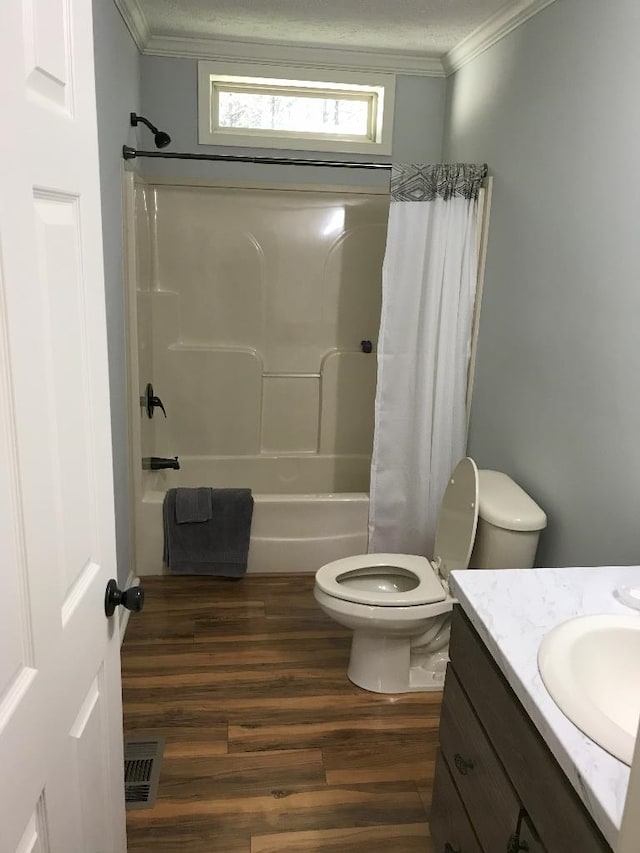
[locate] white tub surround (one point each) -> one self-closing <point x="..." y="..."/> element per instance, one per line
<point x="254" y="313"/>
<point x="512" y="610"/>
<point x="250" y="356"/>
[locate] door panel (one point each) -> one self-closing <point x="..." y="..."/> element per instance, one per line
<point x="66" y="382"/>
<point x="47" y="57"/>
<point x="61" y="765"/>
<point x="82" y="780"/>
<point x="16" y="660"/>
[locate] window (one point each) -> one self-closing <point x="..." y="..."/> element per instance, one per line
<point x="339" y="111"/>
<point x="294" y="110"/>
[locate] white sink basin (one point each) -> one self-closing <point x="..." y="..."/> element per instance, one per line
<point x="591" y="667"/>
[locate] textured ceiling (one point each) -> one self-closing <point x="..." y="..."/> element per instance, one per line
<point x="428" y="27"/>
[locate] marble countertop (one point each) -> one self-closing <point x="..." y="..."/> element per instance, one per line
<point x="512" y="609"/>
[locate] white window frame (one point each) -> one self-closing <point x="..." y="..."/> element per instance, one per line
<point x="382" y="87"/>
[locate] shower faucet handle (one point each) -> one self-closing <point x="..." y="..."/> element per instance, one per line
<point x="151" y="402"/>
<point x="156" y="403"/>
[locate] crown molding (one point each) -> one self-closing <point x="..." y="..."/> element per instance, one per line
<point x="499" y="25"/>
<point x="287" y="53"/>
<point x="136" y="22"/>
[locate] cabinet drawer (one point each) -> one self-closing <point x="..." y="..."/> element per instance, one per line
<point x="555" y="810"/>
<point x="484" y="788"/>
<point x="450" y="828"/>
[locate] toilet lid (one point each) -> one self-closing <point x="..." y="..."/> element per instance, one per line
<point x="457" y="520"/>
<point x="409" y="580"/>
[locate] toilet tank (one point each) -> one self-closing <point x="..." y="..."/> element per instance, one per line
<point x="509" y="524"/>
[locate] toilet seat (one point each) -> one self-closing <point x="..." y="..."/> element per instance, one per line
<point x="428" y="587"/>
<point x="380" y="615"/>
<point x="354" y="578"/>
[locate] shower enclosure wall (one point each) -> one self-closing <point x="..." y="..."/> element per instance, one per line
<point x="248" y="307"/>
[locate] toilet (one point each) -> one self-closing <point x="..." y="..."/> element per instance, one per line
<point x="399" y="605"/>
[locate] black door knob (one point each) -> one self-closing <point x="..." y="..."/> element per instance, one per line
<point x="131" y="599"/>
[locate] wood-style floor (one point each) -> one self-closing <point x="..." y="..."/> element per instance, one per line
<point x="269" y="747"/>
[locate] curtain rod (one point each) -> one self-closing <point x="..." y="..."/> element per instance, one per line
<point x="129" y="153"/>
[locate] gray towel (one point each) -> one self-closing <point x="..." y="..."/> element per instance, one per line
<point x="193" y="505"/>
<point x="219" y="546"/>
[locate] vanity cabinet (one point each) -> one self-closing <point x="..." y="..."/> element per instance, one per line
<point x="498" y="788"/>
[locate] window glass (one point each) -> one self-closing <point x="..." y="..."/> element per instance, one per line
<point x="296" y="111"/>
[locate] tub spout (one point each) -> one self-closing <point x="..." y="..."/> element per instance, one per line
<point x="157" y="463"/>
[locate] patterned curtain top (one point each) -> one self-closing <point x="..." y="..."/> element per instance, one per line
<point x="420" y="182"/>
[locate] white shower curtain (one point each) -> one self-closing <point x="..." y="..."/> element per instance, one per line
<point x="428" y="292"/>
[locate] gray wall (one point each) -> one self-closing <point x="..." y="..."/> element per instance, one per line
<point x="117" y="94"/>
<point x="169" y="97"/>
<point x="553" y="109"/>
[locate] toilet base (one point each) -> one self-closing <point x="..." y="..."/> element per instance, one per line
<point x="429" y="675"/>
<point x="385" y="664"/>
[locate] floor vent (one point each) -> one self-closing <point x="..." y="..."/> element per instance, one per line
<point x="142" y="763"/>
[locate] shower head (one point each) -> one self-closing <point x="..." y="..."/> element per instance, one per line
<point x="161" y="138"/>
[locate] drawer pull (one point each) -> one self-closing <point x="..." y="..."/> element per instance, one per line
<point x="463" y="766"/>
<point x="515" y="845"/>
<point x="449" y="849"/>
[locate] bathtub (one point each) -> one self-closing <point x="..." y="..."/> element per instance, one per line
<point x="307" y="510"/>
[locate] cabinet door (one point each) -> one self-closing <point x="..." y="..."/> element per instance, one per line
<point x="450" y="827"/>
<point x="561" y="820"/>
<point x="484" y="788"/>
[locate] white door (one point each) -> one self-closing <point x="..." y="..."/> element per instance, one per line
<point x="61" y="773"/>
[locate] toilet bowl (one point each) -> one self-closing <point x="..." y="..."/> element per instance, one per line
<point x="389" y="601"/>
<point x="398" y="605"/>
